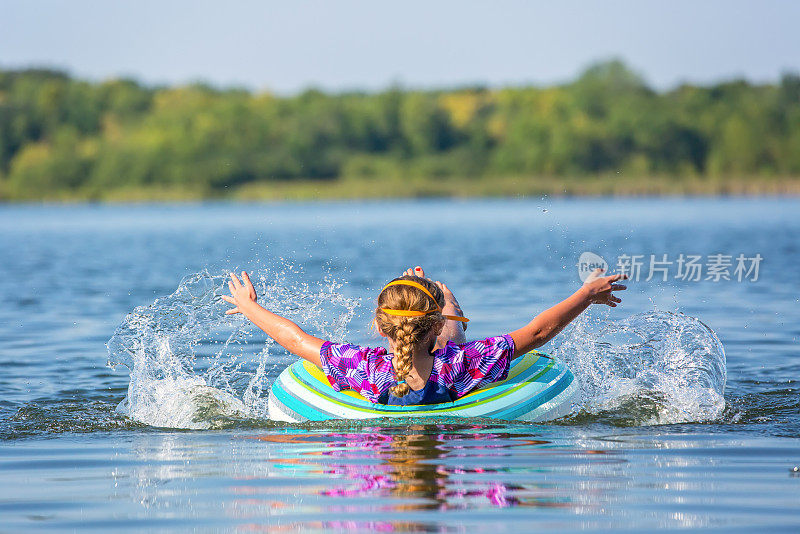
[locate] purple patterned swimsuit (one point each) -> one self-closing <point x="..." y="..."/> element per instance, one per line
<point x="456" y="368"/>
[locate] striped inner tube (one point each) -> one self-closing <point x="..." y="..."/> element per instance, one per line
<point x="537" y="387"/>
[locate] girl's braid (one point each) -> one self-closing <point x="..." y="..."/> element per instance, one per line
<point x="407" y="336"/>
<point x="407" y="331"/>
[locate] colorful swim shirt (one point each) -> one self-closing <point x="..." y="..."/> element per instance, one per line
<point x="458" y="368"/>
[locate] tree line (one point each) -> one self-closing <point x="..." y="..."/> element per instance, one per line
<point x="59" y="134"/>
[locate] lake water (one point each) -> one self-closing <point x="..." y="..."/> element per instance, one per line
<point x="690" y="408"/>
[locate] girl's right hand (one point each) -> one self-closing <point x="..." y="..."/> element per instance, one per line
<point x="242" y="293"/>
<point x="599" y="289"/>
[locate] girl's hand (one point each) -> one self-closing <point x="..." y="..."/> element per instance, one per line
<point x="599" y="289"/>
<point x="242" y="293"/>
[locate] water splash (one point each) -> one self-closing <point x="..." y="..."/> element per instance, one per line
<point x="651" y="368"/>
<point x="192" y="366"/>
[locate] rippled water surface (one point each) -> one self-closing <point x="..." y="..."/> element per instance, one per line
<point x="689" y="415"/>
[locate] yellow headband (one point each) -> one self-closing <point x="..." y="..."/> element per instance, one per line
<point x="414" y="313"/>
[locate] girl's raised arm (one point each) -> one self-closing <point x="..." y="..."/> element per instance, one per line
<point x="544" y="327"/>
<point x="285" y="332"/>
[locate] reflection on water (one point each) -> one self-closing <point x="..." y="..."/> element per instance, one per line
<point x="394" y="470"/>
<point x="434" y="477"/>
<point x="410" y="470"/>
<point x="414" y="468"/>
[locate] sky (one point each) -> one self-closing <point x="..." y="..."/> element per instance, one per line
<point x="288" y="46"/>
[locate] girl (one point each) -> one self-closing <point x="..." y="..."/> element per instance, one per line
<point x="430" y="361"/>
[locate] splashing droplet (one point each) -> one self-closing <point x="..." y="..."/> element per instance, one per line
<point x="191" y="365"/>
<point x="651" y="368"/>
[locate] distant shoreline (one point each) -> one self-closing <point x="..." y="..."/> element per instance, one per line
<point x="605" y="133"/>
<point x="500" y="187"/>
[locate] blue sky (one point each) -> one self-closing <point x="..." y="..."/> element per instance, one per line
<point x="342" y="45"/>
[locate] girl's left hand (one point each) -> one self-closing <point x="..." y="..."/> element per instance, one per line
<point x="241" y="293"/>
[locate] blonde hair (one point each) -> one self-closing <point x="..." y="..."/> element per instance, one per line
<point x="407" y="331"/>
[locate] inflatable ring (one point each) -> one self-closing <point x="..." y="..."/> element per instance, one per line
<point x="538" y="388"/>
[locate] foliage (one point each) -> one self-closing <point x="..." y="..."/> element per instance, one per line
<point x="60" y="135"/>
